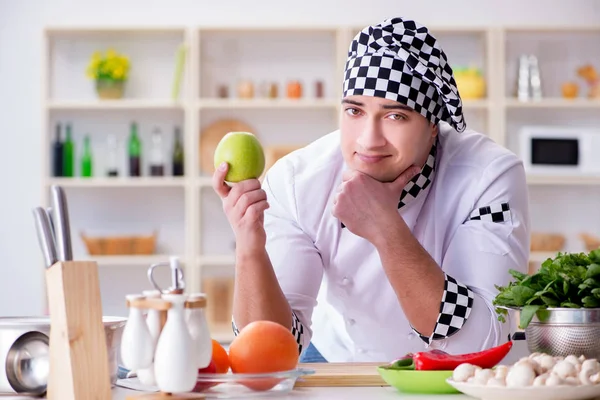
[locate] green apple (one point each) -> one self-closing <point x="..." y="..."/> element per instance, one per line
<point x="244" y="154"/>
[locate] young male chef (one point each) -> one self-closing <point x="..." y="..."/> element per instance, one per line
<point x="389" y="235"/>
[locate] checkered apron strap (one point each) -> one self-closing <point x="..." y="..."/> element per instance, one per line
<point x="455" y="308"/>
<point x="498" y="212"/>
<point x="297" y="329"/>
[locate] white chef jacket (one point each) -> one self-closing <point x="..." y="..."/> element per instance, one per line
<point x="334" y="280"/>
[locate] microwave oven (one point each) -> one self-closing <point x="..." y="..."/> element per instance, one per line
<point x="560" y="150"/>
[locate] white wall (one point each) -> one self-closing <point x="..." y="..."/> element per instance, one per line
<point x="21" y="24"/>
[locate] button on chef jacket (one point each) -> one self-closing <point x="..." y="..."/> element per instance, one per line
<point x="333" y="279"/>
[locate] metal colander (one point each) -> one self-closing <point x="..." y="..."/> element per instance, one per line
<point x="565" y="331"/>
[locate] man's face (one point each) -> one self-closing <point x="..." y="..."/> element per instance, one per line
<point x="382" y="138"/>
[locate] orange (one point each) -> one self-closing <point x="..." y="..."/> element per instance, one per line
<point x="263" y="347"/>
<point x="220" y="357"/>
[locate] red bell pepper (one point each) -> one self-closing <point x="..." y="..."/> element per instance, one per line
<point x="441" y="361"/>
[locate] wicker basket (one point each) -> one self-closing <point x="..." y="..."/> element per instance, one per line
<point x="120" y="245"/>
<point x="547" y="242"/>
<point x="591" y="242"/>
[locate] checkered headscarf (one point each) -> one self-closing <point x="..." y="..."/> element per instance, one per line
<point x="400" y="60"/>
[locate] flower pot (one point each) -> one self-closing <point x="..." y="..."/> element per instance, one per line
<point x="110" y="89"/>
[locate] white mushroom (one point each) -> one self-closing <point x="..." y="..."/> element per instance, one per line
<point x="501" y="371"/>
<point x="581" y="358"/>
<point x="572" y="380"/>
<point x="482" y="376"/>
<point x="588" y="368"/>
<point x="520" y="375"/>
<point x="573" y="359"/>
<point x="564" y="369"/>
<point x="541" y="380"/>
<point x="463" y="372"/>
<point x="531" y="364"/>
<point x="546" y="362"/>
<point x="554" y="380"/>
<point x="595" y="379"/>
<point x="533" y="355"/>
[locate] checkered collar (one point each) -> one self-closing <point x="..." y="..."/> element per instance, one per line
<point x="421" y="181"/>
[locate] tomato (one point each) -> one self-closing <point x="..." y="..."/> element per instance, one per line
<point x="202" y="386"/>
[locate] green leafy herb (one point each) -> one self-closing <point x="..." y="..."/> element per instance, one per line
<point x="569" y="280"/>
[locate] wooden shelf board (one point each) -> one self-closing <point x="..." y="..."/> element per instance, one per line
<point x="125" y="182"/>
<point x="552" y="28"/>
<point x="217" y="260"/>
<point x="222" y="334"/>
<point x="553" y="103"/>
<point x="133" y="260"/>
<point x="267" y="103"/>
<point x="124" y="104"/>
<point x="476" y="104"/>
<point x="112" y="30"/>
<point x="311" y="29"/>
<point x="562" y="180"/>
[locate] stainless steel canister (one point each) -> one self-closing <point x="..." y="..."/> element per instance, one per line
<point x="25" y="352"/>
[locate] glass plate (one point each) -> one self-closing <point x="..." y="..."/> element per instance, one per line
<point x="230" y="385"/>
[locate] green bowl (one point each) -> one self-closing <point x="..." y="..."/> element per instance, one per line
<point x="411" y="381"/>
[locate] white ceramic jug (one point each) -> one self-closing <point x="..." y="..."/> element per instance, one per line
<point x="200" y="332"/>
<point x="137" y="347"/>
<point x="175" y="368"/>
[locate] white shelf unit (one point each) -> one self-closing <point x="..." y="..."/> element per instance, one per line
<point x="185" y="210"/>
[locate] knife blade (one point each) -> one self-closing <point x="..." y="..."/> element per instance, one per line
<point x="51" y="219"/>
<point x="62" y="227"/>
<point x="45" y="237"/>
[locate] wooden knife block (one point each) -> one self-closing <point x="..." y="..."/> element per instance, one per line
<point x="79" y="367"/>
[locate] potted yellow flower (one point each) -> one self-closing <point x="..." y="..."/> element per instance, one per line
<point x="110" y="72"/>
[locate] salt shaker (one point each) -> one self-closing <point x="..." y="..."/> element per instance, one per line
<point x="136" y="342"/>
<point x="199" y="331"/>
<point x="175" y="371"/>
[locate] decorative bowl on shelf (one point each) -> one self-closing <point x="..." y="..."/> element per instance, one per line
<point x="591" y="242"/>
<point x="470" y="82"/>
<point x="547" y="241"/>
<point x="120" y="245"/>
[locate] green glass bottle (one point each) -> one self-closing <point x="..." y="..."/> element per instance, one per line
<point x="68" y="154"/>
<point x="178" y="157"/>
<point x="86" y="158"/>
<point x="134" y="152"/>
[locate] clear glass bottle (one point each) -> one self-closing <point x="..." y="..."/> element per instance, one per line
<point x="112" y="159"/>
<point x="157" y="158"/>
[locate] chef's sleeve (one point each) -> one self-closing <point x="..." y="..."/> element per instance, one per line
<point x="493" y="239"/>
<point x="296" y="261"/>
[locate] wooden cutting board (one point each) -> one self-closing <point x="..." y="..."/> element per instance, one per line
<point x="341" y="374"/>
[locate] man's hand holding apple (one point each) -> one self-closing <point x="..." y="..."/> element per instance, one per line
<point x="244" y="204"/>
